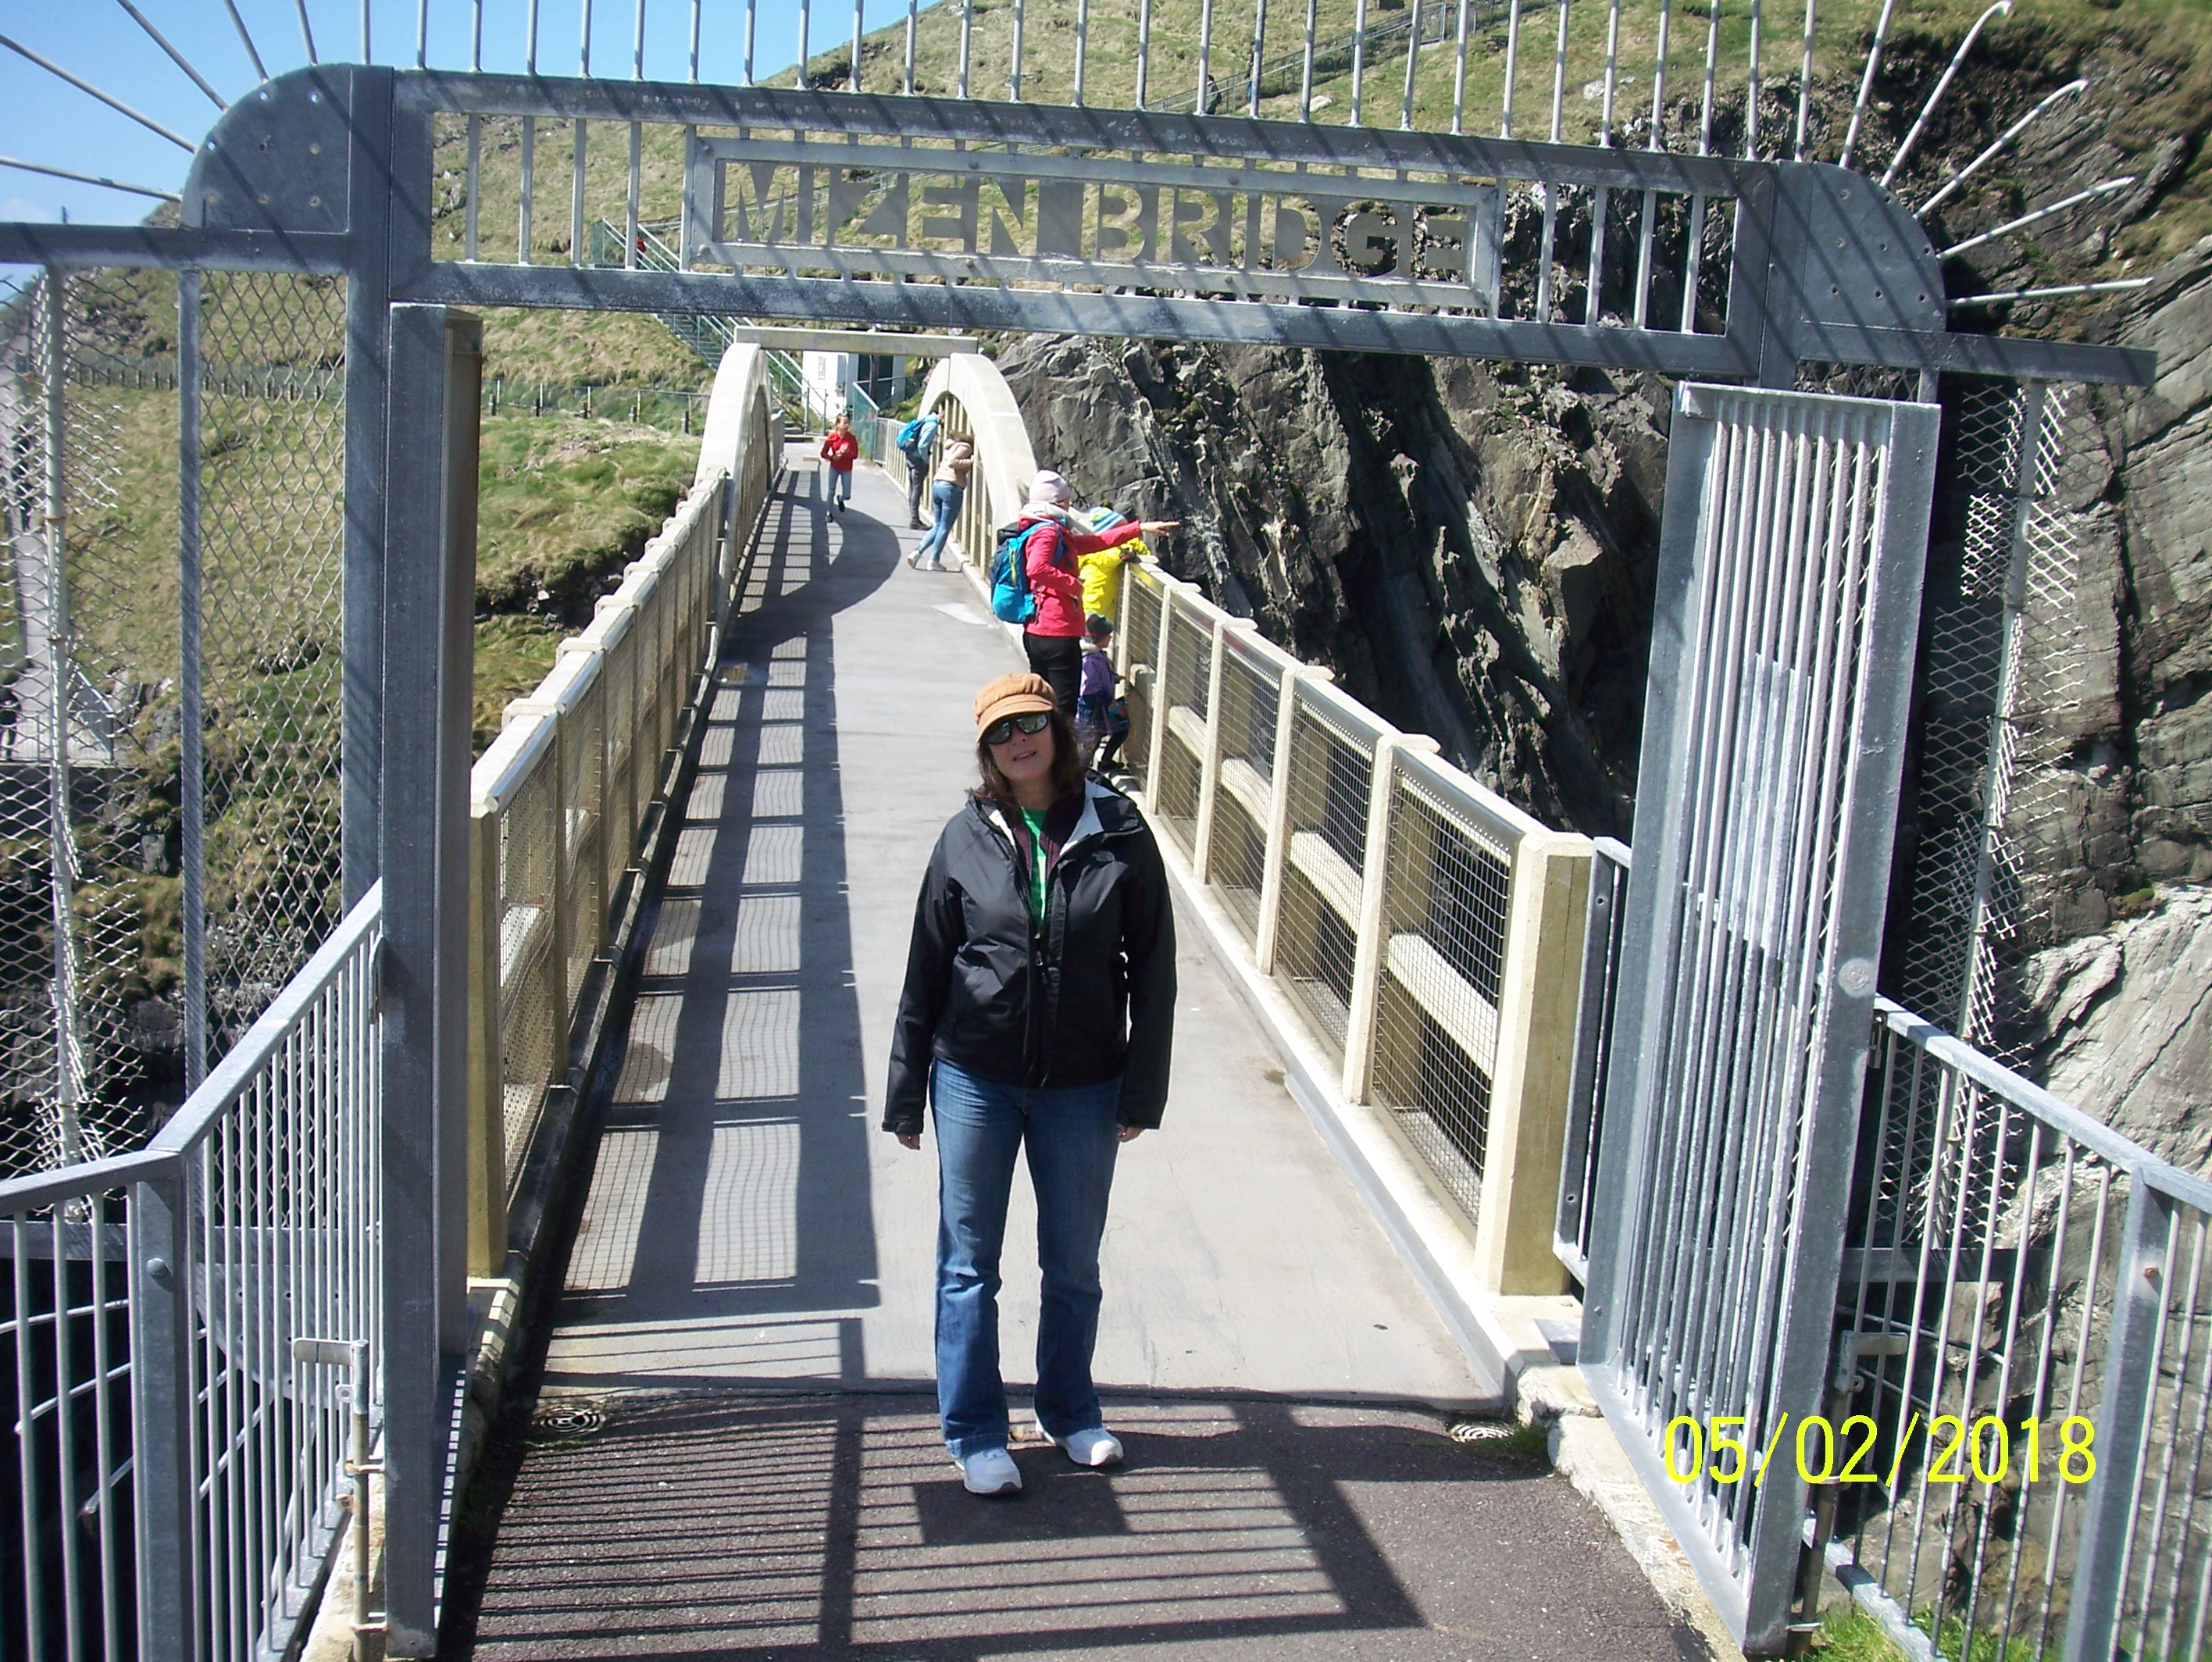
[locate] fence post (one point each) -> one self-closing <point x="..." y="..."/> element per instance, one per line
<point x="487" y="1077"/>
<point x="170" y="1564"/>
<point x="1276" y="832"/>
<point x="2139" y="1299"/>
<point x="1533" y="1066"/>
<point x="1158" y="693"/>
<point x="1209" y="763"/>
<point x="1369" y="945"/>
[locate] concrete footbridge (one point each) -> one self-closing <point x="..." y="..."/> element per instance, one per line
<point x="1554" y="1248"/>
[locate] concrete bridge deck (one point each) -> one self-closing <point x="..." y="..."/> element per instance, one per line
<point x="734" y="1450"/>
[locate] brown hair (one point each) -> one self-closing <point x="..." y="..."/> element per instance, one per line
<point x="1066" y="767"/>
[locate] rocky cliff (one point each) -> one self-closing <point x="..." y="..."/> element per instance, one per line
<point x="1471" y="546"/>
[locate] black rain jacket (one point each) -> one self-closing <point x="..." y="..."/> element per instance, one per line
<point x="1087" y="996"/>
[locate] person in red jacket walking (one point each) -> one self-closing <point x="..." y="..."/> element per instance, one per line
<point x="840" y="449"/>
<point x="1054" y="637"/>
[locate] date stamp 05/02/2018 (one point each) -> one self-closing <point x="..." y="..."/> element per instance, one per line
<point x="1982" y="1451"/>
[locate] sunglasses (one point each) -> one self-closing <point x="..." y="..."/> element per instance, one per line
<point x="1030" y="721"/>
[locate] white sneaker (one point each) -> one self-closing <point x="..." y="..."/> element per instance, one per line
<point x="1095" y="1447"/>
<point x="913" y="559"/>
<point x="993" y="1471"/>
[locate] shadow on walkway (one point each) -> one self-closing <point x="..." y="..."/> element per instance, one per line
<point x="833" y="1528"/>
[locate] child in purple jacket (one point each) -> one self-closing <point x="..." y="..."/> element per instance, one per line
<point x="1098" y="713"/>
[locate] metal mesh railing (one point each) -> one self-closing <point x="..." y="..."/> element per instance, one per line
<point x="111" y="995"/>
<point x="1448" y="878"/>
<point x="1597" y="993"/>
<point x="153" y="1304"/>
<point x="2000" y="725"/>
<point x="1140" y="635"/>
<point x="562" y="797"/>
<point x="1393" y="952"/>
<point x="2028" y="1347"/>
<point x="1251" y="695"/>
<point x="1325" y="854"/>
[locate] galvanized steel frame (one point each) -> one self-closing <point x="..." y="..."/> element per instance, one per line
<point x="1751" y="1566"/>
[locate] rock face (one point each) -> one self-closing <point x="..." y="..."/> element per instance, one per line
<point x="2129" y="1015"/>
<point x="1469" y="546"/>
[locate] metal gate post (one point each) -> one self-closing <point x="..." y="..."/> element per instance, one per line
<point x="430" y="591"/>
<point x="2139" y="1300"/>
<point x="367" y="394"/>
<point x="171" y="1567"/>
<point x="192" y="776"/>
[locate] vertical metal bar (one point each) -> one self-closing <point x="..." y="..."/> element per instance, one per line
<point x="367" y="296"/>
<point x="475" y="147"/>
<point x="1551" y="190"/>
<point x="1459" y="73"/>
<point x="630" y="238"/>
<point x="859" y="28"/>
<point x="1601" y="198"/>
<point x="798" y="76"/>
<point x="1866" y="82"/>
<point x="162" y="1398"/>
<point x="913" y="22"/>
<point x="1804" y="85"/>
<point x="1082" y="45"/>
<point x="529" y="148"/>
<point x="968" y="49"/>
<point x="1412" y="62"/>
<point x="752" y="28"/>
<point x="422" y="34"/>
<point x="65" y="1449"/>
<point x="1205" y="50"/>
<point x="1694" y="252"/>
<point x="2124" y="1423"/>
<point x="1643" y="296"/>
<point x="104" y="1485"/>
<point x="26" y="1445"/>
<point x="191" y="767"/>
<point x="1144" y="44"/>
<point x="1751" y="102"/>
<point x="1306" y="66"/>
<point x="61" y="672"/>
<point x="1014" y="61"/>
<point x="427" y="776"/>
<point x="579" y="251"/>
<point x="1358" y="56"/>
<point x="1512" y="68"/>
<point x="1259" y="46"/>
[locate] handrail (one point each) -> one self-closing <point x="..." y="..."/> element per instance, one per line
<point x="236" y="1071"/>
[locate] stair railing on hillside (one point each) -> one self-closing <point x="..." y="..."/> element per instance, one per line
<point x="1425" y="935"/>
<point x="560" y="800"/>
<point x="709" y="337"/>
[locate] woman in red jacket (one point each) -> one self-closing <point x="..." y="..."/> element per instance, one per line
<point x="841" y="449"/>
<point x="1053" y="636"/>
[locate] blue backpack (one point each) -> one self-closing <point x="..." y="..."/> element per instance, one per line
<point x="1011" y="599"/>
<point x="918" y="435"/>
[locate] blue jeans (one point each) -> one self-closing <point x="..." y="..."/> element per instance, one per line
<point x="1072" y="1135"/>
<point x="944" y="498"/>
<point x="841" y="485"/>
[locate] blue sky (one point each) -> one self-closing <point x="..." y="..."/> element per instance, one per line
<point x="44" y="120"/>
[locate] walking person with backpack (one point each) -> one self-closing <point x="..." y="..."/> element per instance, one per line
<point x="949" y="490"/>
<point x="917" y="442"/>
<point x="1037" y="581"/>
<point x="1037" y="1017"/>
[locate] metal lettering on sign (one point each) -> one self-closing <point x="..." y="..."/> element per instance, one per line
<point x="1109" y="222"/>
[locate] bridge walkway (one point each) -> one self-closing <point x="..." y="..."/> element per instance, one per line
<point x="735" y="1451"/>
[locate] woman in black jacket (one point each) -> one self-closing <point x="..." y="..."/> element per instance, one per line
<point x="1038" y="1011"/>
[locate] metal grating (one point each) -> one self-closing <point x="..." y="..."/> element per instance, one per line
<point x="1141" y="600"/>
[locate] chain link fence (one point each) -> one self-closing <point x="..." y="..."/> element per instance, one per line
<point x="93" y="807"/>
